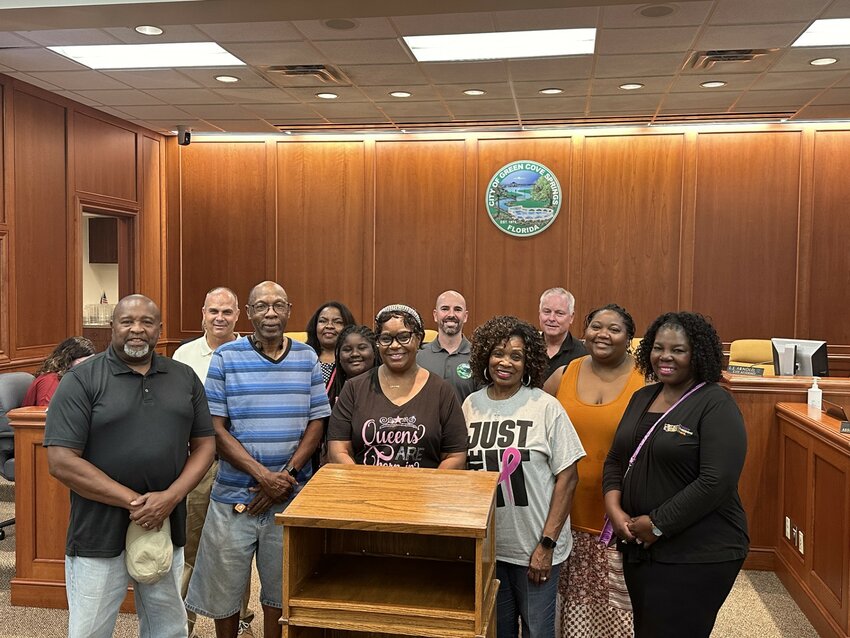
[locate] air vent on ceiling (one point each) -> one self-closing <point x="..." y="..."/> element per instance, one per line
<point x="707" y="59"/>
<point x="323" y="73"/>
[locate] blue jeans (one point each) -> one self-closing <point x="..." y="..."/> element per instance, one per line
<point x="96" y="589"/>
<point x="520" y="599"/>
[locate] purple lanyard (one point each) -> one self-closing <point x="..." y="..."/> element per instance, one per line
<point x="660" y="419"/>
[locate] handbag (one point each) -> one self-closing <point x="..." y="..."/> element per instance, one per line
<point x="607" y="534"/>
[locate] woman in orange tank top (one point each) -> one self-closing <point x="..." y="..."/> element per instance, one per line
<point x="595" y="390"/>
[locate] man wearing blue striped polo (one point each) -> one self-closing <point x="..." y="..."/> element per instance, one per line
<point x="268" y="400"/>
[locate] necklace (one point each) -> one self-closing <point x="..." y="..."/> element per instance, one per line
<point x="409" y="378"/>
<point x="490" y="393"/>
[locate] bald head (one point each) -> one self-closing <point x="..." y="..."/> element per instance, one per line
<point x="264" y="287"/>
<point x="268" y="309"/>
<point x="219" y="316"/>
<point x="136" y="324"/>
<point x="450" y="313"/>
<point x="133" y="300"/>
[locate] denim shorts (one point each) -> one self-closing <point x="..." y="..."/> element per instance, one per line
<point x="223" y="565"/>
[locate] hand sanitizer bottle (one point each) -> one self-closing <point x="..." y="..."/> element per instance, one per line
<point x="815" y="395"/>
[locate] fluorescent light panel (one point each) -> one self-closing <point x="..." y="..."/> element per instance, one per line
<point x="833" y="32"/>
<point x="503" y="45"/>
<point x="149" y="56"/>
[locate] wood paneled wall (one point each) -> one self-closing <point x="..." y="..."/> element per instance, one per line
<point x="57" y="157"/>
<point x="744" y="224"/>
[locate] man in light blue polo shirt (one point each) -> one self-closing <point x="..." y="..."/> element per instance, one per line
<point x="268" y="400"/>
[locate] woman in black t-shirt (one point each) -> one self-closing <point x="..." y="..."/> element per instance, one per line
<point x="676" y="509"/>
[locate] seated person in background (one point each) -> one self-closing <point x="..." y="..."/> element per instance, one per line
<point x="66" y="355"/>
<point x="398" y="413"/>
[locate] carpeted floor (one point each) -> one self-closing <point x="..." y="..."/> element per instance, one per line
<point x="758" y="607"/>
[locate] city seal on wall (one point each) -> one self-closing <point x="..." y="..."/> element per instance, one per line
<point x="523" y="198"/>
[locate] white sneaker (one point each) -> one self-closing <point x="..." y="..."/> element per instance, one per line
<point x="244" y="629"/>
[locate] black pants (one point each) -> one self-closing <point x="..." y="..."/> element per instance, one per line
<point x="678" y="600"/>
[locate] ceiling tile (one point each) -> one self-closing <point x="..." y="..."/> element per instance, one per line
<point x="269" y="96"/>
<point x="648" y="40"/>
<point x="345" y="93"/>
<point x="418" y="93"/>
<point x="445" y="23"/>
<point x="627" y="16"/>
<point x="775" y="99"/>
<point x="346" y="109"/>
<point x="459" y="72"/>
<point x="803" y="80"/>
<point x="244" y="126"/>
<point x="570" y="88"/>
<point x="385" y="74"/>
<point x="76" y="80"/>
<point x="824" y="112"/>
<point x="611" y="86"/>
<point x="37" y="60"/>
<point x="218" y="111"/>
<point x="625" y="103"/>
<point x="167" y="125"/>
<point x="266" y="53"/>
<point x="79" y="97"/>
<point x="120" y="97"/>
<point x="565" y="68"/>
<point x="153" y="79"/>
<point x="423" y="119"/>
<point x="620" y="66"/>
<point x="486" y="117"/>
<point x="171" y="33"/>
<point x="248" y="78"/>
<point x="564" y="107"/>
<point x="11" y="40"/>
<point x="155" y="112"/>
<point x="759" y="11"/>
<point x="250" y="31"/>
<point x="368" y="28"/>
<point x="113" y="112"/>
<point x="30" y="79"/>
<point x="838" y="9"/>
<point x="278" y="111"/>
<point x="833" y="97"/>
<point x="364" y="51"/>
<point x="734" y="82"/>
<point x="533" y="19"/>
<point x="708" y="101"/>
<point x="188" y="96"/>
<point x="797" y="59"/>
<point x="467" y="108"/>
<point x="425" y="109"/>
<point x="493" y="91"/>
<point x="69" y="37"/>
<point x="766" y="36"/>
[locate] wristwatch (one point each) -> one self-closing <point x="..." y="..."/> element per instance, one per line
<point x="548" y="543"/>
<point x="292" y="471"/>
<point x="655" y="530"/>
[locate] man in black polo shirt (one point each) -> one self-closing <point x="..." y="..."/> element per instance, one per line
<point x="557" y="310"/>
<point x="119" y="434"/>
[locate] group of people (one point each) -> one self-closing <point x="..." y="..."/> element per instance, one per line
<point x="617" y="507"/>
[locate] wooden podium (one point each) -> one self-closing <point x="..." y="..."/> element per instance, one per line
<point x="390" y="551"/>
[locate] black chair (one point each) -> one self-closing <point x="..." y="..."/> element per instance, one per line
<point x="13" y="387"/>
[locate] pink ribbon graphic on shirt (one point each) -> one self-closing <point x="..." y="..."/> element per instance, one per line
<point x="511" y="459"/>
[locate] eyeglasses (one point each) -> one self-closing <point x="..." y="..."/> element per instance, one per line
<point x="386" y="340"/>
<point x="279" y="307"/>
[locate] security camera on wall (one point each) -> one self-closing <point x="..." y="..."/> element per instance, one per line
<point x="184" y="135"/>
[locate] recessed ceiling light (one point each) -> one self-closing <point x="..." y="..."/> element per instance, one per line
<point x="551" y="91"/>
<point x="823" y="61"/>
<point x="713" y="84"/>
<point x="502" y="45"/>
<point x="655" y="10"/>
<point x="149" y="56"/>
<point x="631" y="86"/>
<point x="227" y="79"/>
<point x="474" y="92"/>
<point x="825" y="33"/>
<point x="401" y="93"/>
<point x="327" y="96"/>
<point x="340" y="24"/>
<point x="148" y="29"/>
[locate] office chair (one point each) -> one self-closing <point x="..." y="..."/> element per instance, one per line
<point x="13" y="387"/>
<point x="752" y="353"/>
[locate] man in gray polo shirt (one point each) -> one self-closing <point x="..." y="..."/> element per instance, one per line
<point x="448" y="355"/>
<point x="130" y="433"/>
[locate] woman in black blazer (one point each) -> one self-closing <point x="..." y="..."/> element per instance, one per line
<point x="676" y="511"/>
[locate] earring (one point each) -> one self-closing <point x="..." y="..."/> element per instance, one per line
<point x="526" y="381"/>
<point x="487" y="376"/>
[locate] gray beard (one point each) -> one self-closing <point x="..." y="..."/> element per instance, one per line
<point x="136" y="353"/>
<point x="452" y="329"/>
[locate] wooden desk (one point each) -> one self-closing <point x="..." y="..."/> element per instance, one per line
<point x="42" y="510"/>
<point x="814" y="493"/>
<point x="757" y="397"/>
<point x="399" y="551"/>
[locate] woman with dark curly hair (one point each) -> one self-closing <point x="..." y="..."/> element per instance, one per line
<point x="323" y="330"/>
<point x="65" y="356"/>
<point x="595" y="390"/>
<point x="523" y="433"/>
<point x="356" y="352"/>
<point x="671" y="482"/>
<point x="398" y="413"/>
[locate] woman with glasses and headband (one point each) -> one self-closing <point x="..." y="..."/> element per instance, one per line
<point x="398" y="413"/>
